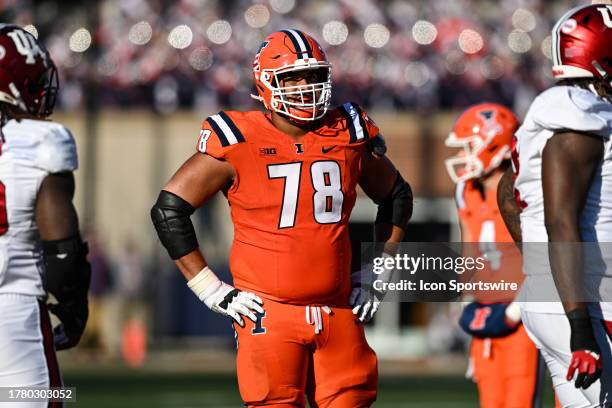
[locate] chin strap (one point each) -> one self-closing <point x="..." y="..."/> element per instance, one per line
<point x="256" y="97"/>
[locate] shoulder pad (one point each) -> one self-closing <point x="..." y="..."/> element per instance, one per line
<point x="52" y="146"/>
<point x="361" y="128"/>
<point x="45" y="145"/>
<point x="570" y="108"/>
<point x="58" y="151"/>
<point x="219" y="133"/>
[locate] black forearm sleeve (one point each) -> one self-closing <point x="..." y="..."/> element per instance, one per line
<point x="171" y="219"/>
<point x="396" y="208"/>
<point x="67" y="271"/>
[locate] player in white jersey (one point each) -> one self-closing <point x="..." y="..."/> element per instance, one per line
<point x="40" y="246"/>
<point x="563" y="189"/>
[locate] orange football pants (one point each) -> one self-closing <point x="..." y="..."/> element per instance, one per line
<point x="282" y="359"/>
<point x="508" y="371"/>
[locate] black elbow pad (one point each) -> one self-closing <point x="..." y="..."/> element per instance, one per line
<point x="396" y="207"/>
<point x="171" y="219"/>
<point x="67" y="271"/>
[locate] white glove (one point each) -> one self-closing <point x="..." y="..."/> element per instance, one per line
<point x="365" y="302"/>
<point x="225" y="299"/>
<point x="364" y="299"/>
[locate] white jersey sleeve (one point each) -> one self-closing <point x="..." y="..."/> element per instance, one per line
<point x="56" y="151"/>
<point x="568" y="108"/>
<point x="32" y="150"/>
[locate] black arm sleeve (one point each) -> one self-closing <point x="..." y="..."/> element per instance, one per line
<point x="396" y="207"/>
<point x="171" y="219"/>
<point x="67" y="271"/>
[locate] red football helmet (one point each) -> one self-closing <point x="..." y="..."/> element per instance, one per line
<point x="285" y="52"/>
<point x="28" y="77"/>
<point x="484" y="132"/>
<point x="582" y="43"/>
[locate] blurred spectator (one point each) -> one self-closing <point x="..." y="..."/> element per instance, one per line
<point x="388" y="55"/>
<point x="130" y="310"/>
<point x="96" y="332"/>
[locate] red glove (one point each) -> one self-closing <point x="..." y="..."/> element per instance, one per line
<point x="586" y="357"/>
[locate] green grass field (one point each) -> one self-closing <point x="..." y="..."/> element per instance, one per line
<point x="126" y="388"/>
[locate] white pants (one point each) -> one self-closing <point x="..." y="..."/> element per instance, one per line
<point x="27" y="354"/>
<point x="551" y="334"/>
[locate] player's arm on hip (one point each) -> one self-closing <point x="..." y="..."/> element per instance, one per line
<point x="569" y="162"/>
<point x="381" y="182"/>
<point x="195" y="182"/>
<point x="198" y="179"/>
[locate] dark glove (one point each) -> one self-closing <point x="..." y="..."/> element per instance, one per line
<point x="73" y="316"/>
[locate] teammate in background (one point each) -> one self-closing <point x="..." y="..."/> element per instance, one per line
<point x="563" y="187"/>
<point x="506" y="365"/>
<point x="40" y="246"/>
<point x="290" y="177"/>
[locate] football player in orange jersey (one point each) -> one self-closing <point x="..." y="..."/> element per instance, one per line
<point x="506" y="364"/>
<point x="290" y="177"/>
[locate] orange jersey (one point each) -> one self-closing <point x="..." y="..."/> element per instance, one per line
<point x="290" y="202"/>
<point x="480" y="216"/>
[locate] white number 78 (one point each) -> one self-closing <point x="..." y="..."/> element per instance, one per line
<point x="327" y="183"/>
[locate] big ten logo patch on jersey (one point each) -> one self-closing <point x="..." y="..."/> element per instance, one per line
<point x="267" y="151"/>
<point x="259" y="328"/>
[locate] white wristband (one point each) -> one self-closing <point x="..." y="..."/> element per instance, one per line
<point x="203" y="282"/>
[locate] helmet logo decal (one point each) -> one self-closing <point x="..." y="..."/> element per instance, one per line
<point x="262" y="46"/>
<point x="491" y="125"/>
<point x="606" y="13"/>
<point x="256" y="66"/>
<point x="26" y="45"/>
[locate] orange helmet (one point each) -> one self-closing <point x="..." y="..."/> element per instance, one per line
<point x="289" y="51"/>
<point x="484" y="132"/>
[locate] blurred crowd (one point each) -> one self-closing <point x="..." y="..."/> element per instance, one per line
<point x="388" y="55"/>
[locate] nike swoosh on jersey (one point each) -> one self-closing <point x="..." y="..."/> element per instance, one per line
<point x="328" y="149"/>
